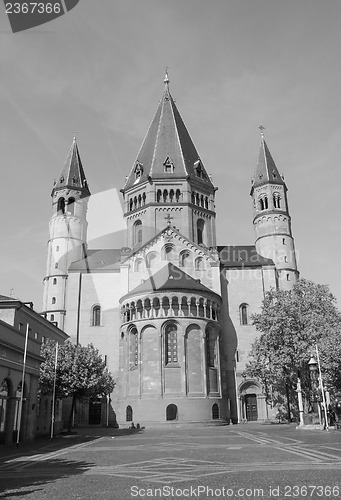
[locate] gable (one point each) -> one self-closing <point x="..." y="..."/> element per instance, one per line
<point x="169" y="246"/>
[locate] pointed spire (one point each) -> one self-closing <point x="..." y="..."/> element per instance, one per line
<point x="266" y="170"/>
<point x="167" y="151"/>
<point x="72" y="175"/>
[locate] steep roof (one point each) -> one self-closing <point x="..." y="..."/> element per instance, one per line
<point x="72" y="175"/>
<point x="167" y="151"/>
<point x="98" y="260"/>
<point x="169" y="278"/>
<point x="266" y="170"/>
<point x="242" y="256"/>
<point x="5" y="298"/>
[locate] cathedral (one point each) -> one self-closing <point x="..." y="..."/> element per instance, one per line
<point x="171" y="310"/>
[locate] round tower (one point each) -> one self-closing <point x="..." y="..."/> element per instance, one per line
<point x="272" y="222"/>
<point x="68" y="234"/>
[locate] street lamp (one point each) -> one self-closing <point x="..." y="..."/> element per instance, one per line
<point x="314" y="366"/>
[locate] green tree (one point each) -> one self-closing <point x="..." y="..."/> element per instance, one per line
<point x="291" y="323"/>
<point x="81" y="373"/>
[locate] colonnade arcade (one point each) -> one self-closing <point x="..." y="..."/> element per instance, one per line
<point x="167" y="305"/>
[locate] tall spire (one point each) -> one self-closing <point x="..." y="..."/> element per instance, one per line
<point x="266" y="170"/>
<point x="167" y="150"/>
<point x="72" y="175"/>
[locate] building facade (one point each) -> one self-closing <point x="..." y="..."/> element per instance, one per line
<point x="170" y="310"/>
<point x="18" y="322"/>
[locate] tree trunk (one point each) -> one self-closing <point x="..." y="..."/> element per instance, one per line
<point x="69" y="427"/>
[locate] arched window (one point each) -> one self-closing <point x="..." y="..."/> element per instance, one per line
<point x="171" y="344"/>
<point x="158" y="195"/>
<point x="168" y="252"/>
<point x="133" y="348"/>
<point x="129" y="414"/>
<point x="244" y="314"/>
<point x="200" y="231"/>
<point x="266" y="205"/>
<point x="137" y="228"/>
<point x="131" y="203"/>
<point x="171" y="195"/>
<point x="211" y="357"/>
<point x="96" y="316"/>
<point x="54" y="281"/>
<point x="71" y="206"/>
<point x="151" y="260"/>
<point x="215" y="411"/>
<point x="53" y="300"/>
<point x="52" y="317"/>
<point x="165" y="195"/>
<point x="185" y="259"/>
<point x="171" y="412"/>
<point x="206" y="202"/>
<point x="138" y="265"/>
<point x="277" y="200"/>
<point x="199" y="264"/>
<point x="61" y="206"/>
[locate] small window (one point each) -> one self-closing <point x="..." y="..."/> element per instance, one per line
<point x="138" y="170"/>
<point x="244" y="314"/>
<point x="71" y="206"/>
<point x="52" y="317"/>
<point x="129" y="414"/>
<point x="53" y="300"/>
<point x="237" y="356"/>
<point x="283" y="241"/>
<point x="54" y="281"/>
<point x="61" y="206"/>
<point x="56" y="265"/>
<point x="21" y="326"/>
<point x="200" y="231"/>
<point x="36" y="335"/>
<point x="96" y="316"/>
<point x="168" y="166"/>
<point x="288" y="277"/>
<point x="43" y="339"/>
<point x="57" y="248"/>
<point x="215" y="411"/>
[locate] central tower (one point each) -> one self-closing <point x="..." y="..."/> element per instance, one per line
<point x="168" y="182"/>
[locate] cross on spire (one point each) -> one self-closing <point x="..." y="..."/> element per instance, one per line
<point x="168" y="219"/>
<point x="261" y="128"/>
<point x="166" y="79"/>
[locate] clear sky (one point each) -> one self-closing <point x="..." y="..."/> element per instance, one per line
<point x="233" y="65"/>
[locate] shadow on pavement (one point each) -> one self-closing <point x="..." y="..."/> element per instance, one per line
<point x="21" y="476"/>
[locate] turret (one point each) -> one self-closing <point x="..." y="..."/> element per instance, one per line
<point x="272" y="222"/>
<point x="68" y="233"/>
<point x="168" y="183"/>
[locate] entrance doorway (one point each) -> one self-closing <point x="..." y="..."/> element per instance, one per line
<point x="95" y="410"/>
<point x="251" y="407"/>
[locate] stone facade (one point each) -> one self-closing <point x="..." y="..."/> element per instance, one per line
<point x="171" y="311"/>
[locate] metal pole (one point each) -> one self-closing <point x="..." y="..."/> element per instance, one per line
<point x="300" y="400"/>
<point x="22" y="385"/>
<point x="322" y="390"/>
<point x="54" y="391"/>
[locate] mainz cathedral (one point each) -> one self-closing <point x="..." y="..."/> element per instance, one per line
<point x="170" y="311"/>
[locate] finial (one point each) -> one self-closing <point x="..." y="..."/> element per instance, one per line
<point x="261" y="128"/>
<point x="166" y="79"/>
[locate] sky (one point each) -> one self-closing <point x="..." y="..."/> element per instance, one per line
<point x="98" y="72"/>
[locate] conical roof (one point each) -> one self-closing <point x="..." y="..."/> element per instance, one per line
<point x="266" y="170"/>
<point x="167" y="151"/>
<point x="169" y="278"/>
<point x="72" y="175"/>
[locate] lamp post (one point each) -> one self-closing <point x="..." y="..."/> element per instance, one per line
<point x="314" y="366"/>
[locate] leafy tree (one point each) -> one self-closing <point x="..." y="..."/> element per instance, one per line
<point x="291" y="324"/>
<point x="81" y="373"/>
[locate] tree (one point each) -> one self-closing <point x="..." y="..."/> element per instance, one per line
<point x="80" y="373"/>
<point x="291" y="323"/>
